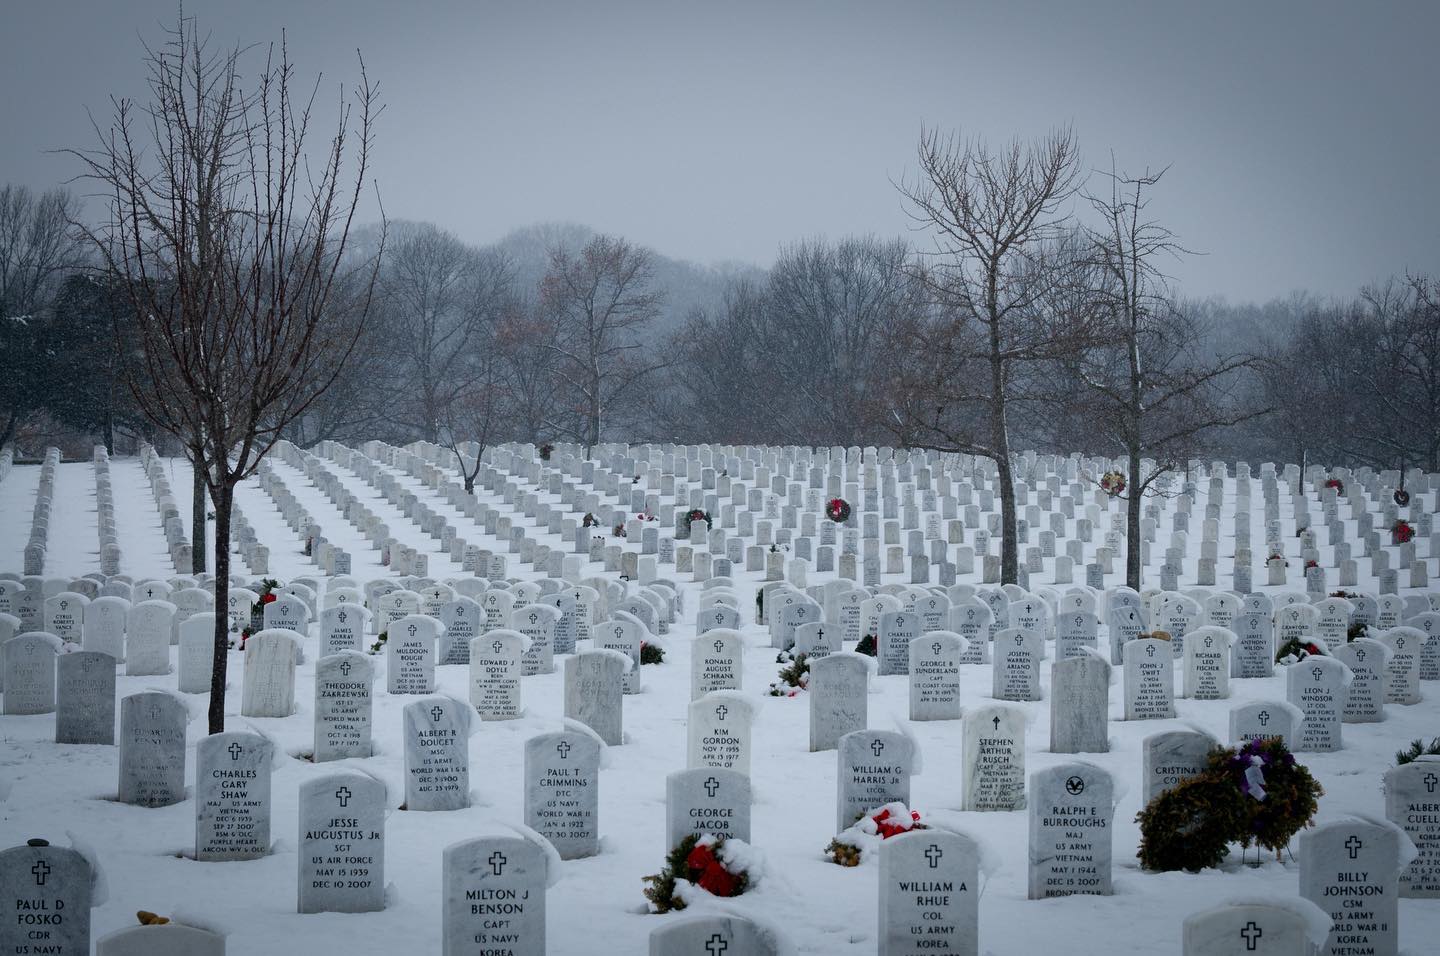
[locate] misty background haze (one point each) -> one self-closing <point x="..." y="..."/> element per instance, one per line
<point x="1300" y="135"/>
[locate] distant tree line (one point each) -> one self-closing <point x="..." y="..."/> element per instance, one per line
<point x="851" y="341"/>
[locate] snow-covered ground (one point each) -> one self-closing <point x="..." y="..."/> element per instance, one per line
<point x="597" y="906"/>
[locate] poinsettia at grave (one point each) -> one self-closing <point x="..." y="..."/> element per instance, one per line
<point x="1297" y="649"/>
<point x="692" y="516"/>
<point x="717" y="865"/>
<point x="872" y="829"/>
<point x="1337" y="484"/>
<point x="1312" y="563"/>
<point x="1402" y="532"/>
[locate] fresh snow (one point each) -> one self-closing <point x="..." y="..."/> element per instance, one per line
<point x="596" y="905"/>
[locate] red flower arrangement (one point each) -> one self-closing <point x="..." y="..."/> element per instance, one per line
<point x="1276" y="557"/>
<point x="709" y="872"/>
<point x="701" y="861"/>
<point x="1112" y="483"/>
<point x="837" y="510"/>
<point x="890" y="825"/>
<point x="692" y="516"/>
<point x="871" y="830"/>
<point x="1337" y="484"/>
<point x="619" y="530"/>
<point x="1402" y="531"/>
<point x="1312" y="563"/>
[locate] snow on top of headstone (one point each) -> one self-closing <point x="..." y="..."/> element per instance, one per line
<point x="1317" y="921"/>
<point x="1408" y="850"/>
<point x="580" y="727"/>
<point x="99" y="886"/>
<point x="553" y="870"/>
<point x="904" y="727"/>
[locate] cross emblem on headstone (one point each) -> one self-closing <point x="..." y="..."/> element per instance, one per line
<point x="711" y="786"/>
<point x="1251" y="934"/>
<point x="1400" y="643"/>
<point x="235" y="750"/>
<point x="1019" y="640"/>
<point x="721" y="711"/>
<point x="154" y="711"/>
<point x="1430" y="780"/>
<point x="149" y="592"/>
<point x="876" y="746"/>
<point x="1354" y="845"/>
<point x="1150" y="651"/>
<point x="719" y="645"/>
<point x="1209" y="641"/>
<point x="412" y="629"/>
<point x="1360" y="654"/>
<point x="497" y="862"/>
<point x="1075" y="785"/>
<point x="436" y="712"/>
<point x="41" y="870"/>
<point x="996" y="722"/>
<point x="1318" y="672"/>
<point x="563" y="749"/>
<point x="497" y="646"/>
<point x="1263" y="717"/>
<point x="716" y="945"/>
<point x="343" y="795"/>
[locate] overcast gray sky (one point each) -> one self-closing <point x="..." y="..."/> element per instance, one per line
<point x="1302" y="137"/>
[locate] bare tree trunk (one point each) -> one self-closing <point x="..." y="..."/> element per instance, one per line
<point x="199" y="501"/>
<point x="222" y="608"/>
<point x="1133" y="544"/>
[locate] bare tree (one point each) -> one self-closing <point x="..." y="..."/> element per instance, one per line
<point x="439" y="301"/>
<point x="719" y="394"/>
<point x="525" y="344"/>
<point x="600" y="301"/>
<point x="994" y="217"/>
<point x="230" y="238"/>
<point x="37" y="247"/>
<point x="1153" y="390"/>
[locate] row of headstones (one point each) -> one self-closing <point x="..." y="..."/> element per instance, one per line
<point x="1181" y="510"/>
<point x="247" y="542"/>
<point x="328" y="557"/>
<point x="894" y="566"/>
<point x="171" y="523"/>
<point x="1261" y="620"/>
<point x="1387" y="670"/>
<point x="110" y="554"/>
<point x="874" y="770"/>
<point x="494" y="887"/>
<point x="38" y="542"/>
